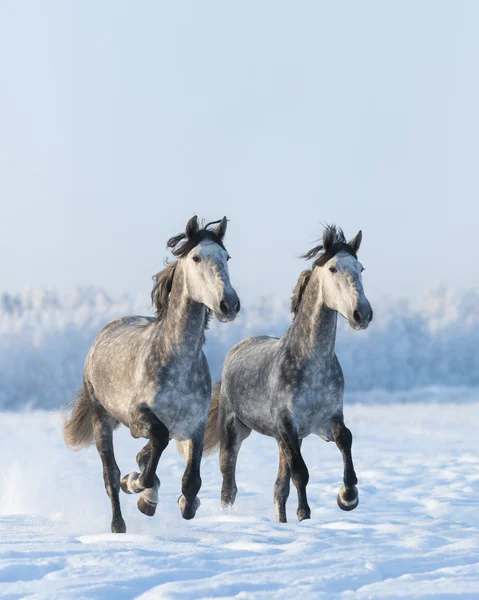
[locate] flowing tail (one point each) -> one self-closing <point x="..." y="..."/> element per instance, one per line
<point x="212" y="434"/>
<point x="78" y="429"/>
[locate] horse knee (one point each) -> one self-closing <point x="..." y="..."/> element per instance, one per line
<point x="342" y="436"/>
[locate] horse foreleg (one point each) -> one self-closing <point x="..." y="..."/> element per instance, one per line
<point x="348" y="497"/>
<point x="144" y="423"/>
<point x="148" y="500"/>
<point x="191" y="482"/>
<point x="103" y="434"/>
<point x="281" y="486"/>
<point x="291" y="445"/>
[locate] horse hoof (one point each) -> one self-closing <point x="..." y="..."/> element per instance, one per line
<point x="188" y="511"/>
<point x="118" y="527"/>
<point x="348" y="499"/>
<point x="228" y="499"/>
<point x="304" y="513"/>
<point x="129" y="484"/>
<point x="146" y="507"/>
<point x="124" y="484"/>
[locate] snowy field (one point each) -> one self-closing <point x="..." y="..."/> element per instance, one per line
<point x="415" y="533"/>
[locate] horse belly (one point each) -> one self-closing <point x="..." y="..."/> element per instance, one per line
<point x="117" y="407"/>
<point x="262" y="421"/>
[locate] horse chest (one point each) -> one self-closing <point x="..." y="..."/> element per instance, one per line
<point x="315" y="404"/>
<point x="182" y="402"/>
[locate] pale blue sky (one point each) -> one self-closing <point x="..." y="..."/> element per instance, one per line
<point x="120" y="120"/>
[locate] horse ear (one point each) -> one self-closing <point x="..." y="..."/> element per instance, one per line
<point x="329" y="238"/>
<point x="192" y="228"/>
<point x="356" y="241"/>
<point x="220" y="230"/>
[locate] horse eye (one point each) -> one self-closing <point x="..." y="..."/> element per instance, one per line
<point x="197" y="259"/>
<point x="333" y="269"/>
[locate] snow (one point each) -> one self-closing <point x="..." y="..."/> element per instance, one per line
<point x="415" y="533"/>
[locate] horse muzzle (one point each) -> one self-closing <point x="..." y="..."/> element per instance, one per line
<point x="229" y="308"/>
<point x="362" y="316"/>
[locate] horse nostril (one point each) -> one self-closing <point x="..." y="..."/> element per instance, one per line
<point x="238" y="307"/>
<point x="357" y="316"/>
<point x="224" y="307"/>
<point x="371" y="316"/>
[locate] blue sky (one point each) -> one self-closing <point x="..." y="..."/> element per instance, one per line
<point x="120" y="120"/>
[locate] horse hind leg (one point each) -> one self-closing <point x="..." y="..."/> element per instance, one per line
<point x="103" y="425"/>
<point x="233" y="434"/>
<point x="348" y="497"/>
<point x="281" y="486"/>
<point x="291" y="446"/>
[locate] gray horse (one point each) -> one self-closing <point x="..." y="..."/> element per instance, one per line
<point x="291" y="387"/>
<point x="151" y="374"/>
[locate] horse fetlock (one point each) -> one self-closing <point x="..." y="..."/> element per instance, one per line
<point x="118" y="525"/>
<point x="350" y="480"/>
<point x="303" y="512"/>
<point x="228" y="495"/>
<point x="146" y="482"/>
<point x="188" y="507"/>
<point x="191" y="484"/>
<point x="348" y="498"/>
<point x="132" y="484"/>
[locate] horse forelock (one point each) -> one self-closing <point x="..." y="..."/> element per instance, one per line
<point x="337" y="247"/>
<point x="181" y="250"/>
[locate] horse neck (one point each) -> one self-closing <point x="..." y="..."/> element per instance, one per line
<point x="182" y="329"/>
<point x="313" y="331"/>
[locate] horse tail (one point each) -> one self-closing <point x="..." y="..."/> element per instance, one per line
<point x="212" y="434"/>
<point x="78" y="429"/>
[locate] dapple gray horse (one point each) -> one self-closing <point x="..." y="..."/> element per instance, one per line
<point x="151" y="374"/>
<point x="291" y="387"/>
